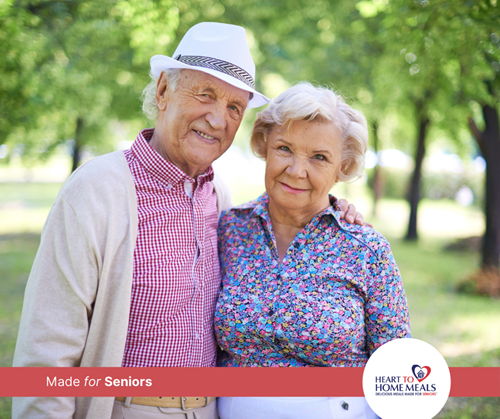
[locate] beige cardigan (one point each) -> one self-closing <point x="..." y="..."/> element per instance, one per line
<point x="77" y="300"/>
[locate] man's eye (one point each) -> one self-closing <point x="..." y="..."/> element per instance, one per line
<point x="234" y="108"/>
<point x="319" y="157"/>
<point x="283" y="148"/>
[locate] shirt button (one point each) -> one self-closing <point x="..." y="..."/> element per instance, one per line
<point x="196" y="335"/>
<point x="188" y="188"/>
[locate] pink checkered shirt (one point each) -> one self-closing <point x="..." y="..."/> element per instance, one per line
<point x="176" y="277"/>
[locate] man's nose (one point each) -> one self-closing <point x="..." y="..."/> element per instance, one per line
<point x="297" y="167"/>
<point x="217" y="118"/>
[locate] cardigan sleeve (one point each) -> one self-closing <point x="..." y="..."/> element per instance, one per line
<point x="57" y="307"/>
<point x="223" y="194"/>
<point x="77" y="300"/>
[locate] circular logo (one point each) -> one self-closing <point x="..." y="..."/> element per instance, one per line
<point x="406" y="378"/>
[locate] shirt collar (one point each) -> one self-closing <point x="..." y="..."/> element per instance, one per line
<point x="160" y="168"/>
<point x="260" y="206"/>
<point x="260" y="209"/>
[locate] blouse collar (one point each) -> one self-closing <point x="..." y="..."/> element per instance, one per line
<point x="261" y="204"/>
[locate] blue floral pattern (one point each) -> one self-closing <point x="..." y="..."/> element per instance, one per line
<point x="333" y="300"/>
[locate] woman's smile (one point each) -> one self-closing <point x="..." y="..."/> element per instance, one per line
<point x="290" y="189"/>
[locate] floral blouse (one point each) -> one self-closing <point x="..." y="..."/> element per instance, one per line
<point x="333" y="300"/>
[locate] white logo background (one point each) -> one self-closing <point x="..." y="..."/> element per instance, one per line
<point x="390" y="364"/>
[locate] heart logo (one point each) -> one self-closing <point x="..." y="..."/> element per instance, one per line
<point x="419" y="373"/>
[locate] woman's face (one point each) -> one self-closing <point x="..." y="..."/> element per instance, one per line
<point x="302" y="164"/>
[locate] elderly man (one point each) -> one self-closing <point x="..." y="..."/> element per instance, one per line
<point x="127" y="273"/>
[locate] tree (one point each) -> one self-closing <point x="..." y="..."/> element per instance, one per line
<point x="414" y="67"/>
<point x="451" y="55"/>
<point x="71" y="67"/>
<point x="489" y="144"/>
<point x="367" y="51"/>
<point x="465" y="35"/>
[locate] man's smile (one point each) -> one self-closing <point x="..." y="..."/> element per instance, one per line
<point x="206" y="136"/>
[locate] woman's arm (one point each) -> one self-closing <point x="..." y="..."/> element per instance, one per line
<point x="386" y="308"/>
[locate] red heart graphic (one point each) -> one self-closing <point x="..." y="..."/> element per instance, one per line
<point x="421" y="369"/>
<point x="428" y="370"/>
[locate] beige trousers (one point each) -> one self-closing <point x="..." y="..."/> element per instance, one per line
<point x="126" y="410"/>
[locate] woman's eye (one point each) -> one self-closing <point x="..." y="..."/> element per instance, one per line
<point x="319" y="157"/>
<point x="283" y="148"/>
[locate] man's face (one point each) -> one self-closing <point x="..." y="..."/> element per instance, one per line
<point x="198" y="121"/>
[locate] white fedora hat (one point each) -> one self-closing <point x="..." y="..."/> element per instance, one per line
<point x="218" y="49"/>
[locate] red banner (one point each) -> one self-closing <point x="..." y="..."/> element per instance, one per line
<point x="195" y="382"/>
<point x="475" y="382"/>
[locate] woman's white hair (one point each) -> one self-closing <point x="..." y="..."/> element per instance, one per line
<point x="306" y="102"/>
<point x="149" y="106"/>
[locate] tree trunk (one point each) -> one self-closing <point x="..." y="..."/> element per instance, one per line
<point x="414" y="196"/>
<point x="489" y="143"/>
<point x="377" y="180"/>
<point x="78" y="144"/>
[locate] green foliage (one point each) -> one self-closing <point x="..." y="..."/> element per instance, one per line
<point x="61" y="61"/>
<point x="388" y="57"/>
<point x="85" y="58"/>
<point x="450" y="51"/>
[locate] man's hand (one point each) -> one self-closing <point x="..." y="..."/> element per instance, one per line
<point x="349" y="213"/>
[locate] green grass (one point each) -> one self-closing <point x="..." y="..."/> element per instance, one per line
<point x="24" y="206"/>
<point x="471" y="408"/>
<point x="29" y="195"/>
<point x="17" y="252"/>
<point x="456" y="324"/>
<point x="16" y="256"/>
<point x="464" y="328"/>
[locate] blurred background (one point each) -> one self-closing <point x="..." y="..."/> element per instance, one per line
<point x="425" y="73"/>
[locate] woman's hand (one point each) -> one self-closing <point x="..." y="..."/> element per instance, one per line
<point x="350" y="214"/>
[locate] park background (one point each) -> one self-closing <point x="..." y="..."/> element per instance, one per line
<point x="425" y="73"/>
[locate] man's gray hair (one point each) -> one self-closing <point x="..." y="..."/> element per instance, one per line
<point x="306" y="102"/>
<point x="149" y="106"/>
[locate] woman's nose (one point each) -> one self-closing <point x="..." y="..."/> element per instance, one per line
<point x="297" y="167"/>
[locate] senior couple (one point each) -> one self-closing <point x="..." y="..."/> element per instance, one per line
<point x="128" y="270"/>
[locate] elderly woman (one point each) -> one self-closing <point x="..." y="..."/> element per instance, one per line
<point x="301" y="287"/>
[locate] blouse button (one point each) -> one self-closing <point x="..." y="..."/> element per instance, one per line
<point x="345" y="405"/>
<point x="271" y="312"/>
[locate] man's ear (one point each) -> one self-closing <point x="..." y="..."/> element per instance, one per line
<point x="161" y="91"/>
